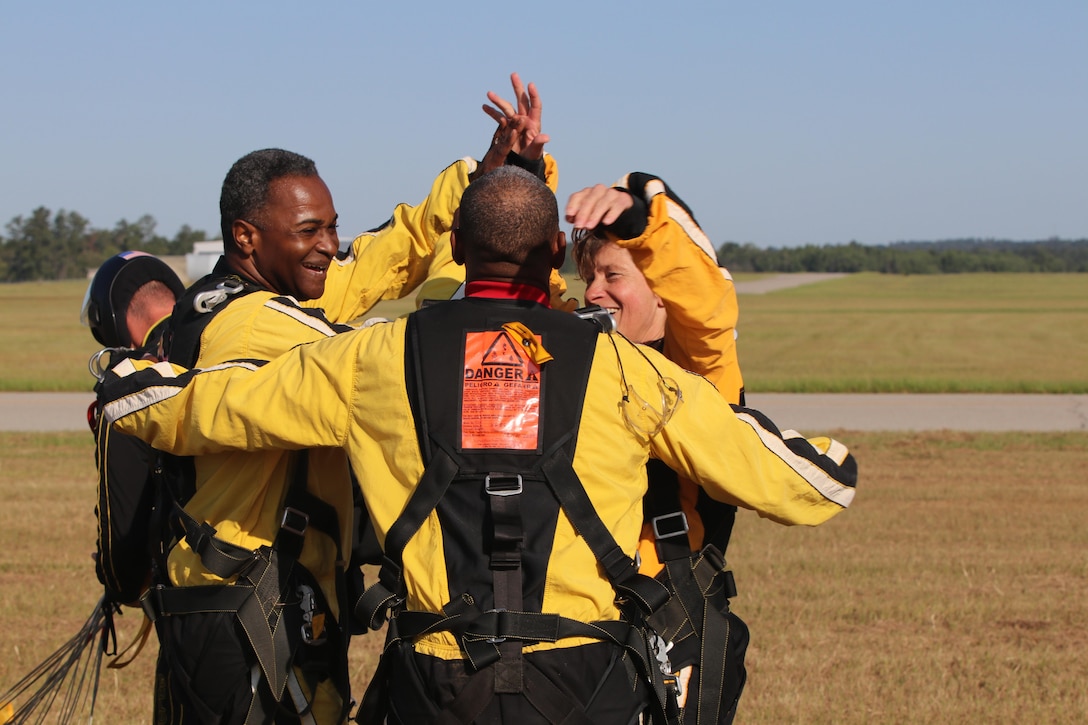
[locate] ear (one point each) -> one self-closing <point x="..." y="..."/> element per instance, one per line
<point x="559" y="250"/>
<point x="245" y="237"/>
<point x="456" y="247"/>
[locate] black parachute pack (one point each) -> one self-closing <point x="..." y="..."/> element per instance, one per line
<point x="697" y="623"/>
<point x="127" y="492"/>
<point x="498" y="508"/>
<point x="136" y="491"/>
<point x="272" y="621"/>
<point x="235" y="652"/>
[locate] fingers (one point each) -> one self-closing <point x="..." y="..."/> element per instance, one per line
<point x="519" y="93"/>
<point x="596" y="205"/>
<point x="528" y="103"/>
<point x="502" y="104"/>
<point x="535" y="106"/>
<point x="525" y="117"/>
<point x="496" y="115"/>
<point x="535" y="148"/>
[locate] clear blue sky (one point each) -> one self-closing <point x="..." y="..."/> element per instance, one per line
<point x="780" y="123"/>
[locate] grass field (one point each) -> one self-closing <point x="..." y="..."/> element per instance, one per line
<point x="1012" y="333"/>
<point x="994" y="333"/>
<point x="955" y="590"/>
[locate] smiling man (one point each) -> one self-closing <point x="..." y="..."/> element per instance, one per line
<point x="288" y="243"/>
<point x="250" y="598"/>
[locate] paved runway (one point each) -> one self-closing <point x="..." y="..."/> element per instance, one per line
<point x="808" y="413"/>
<point x="815" y="412"/>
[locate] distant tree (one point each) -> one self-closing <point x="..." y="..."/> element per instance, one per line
<point x="138" y="235"/>
<point x="182" y="243"/>
<point x="44" y="246"/>
<point x="945" y="257"/>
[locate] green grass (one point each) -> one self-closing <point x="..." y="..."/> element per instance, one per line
<point x="994" y="333"/>
<point x="42" y="344"/>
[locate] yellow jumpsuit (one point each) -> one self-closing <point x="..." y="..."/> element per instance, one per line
<point x="349" y="392"/>
<point x="241" y="493"/>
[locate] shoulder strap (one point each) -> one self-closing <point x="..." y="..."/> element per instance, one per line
<point x="493" y="639"/>
<point x="663" y="511"/>
<point x="555" y="464"/>
<point x="195" y="309"/>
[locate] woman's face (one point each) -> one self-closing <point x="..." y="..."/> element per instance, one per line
<point x="618" y="286"/>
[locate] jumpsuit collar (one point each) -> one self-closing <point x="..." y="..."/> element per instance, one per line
<point x="506" y="291"/>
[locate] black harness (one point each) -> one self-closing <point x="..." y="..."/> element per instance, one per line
<point x="496" y="568"/>
<point x="272" y="597"/>
<point x="697" y="621"/>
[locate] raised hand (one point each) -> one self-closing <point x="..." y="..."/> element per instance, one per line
<point x="518" y="126"/>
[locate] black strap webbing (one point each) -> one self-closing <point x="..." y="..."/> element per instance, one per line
<point x="374" y="604"/>
<point x="258" y="595"/>
<point x="504" y="499"/>
<point x="649" y="594"/>
<point x="662" y="510"/>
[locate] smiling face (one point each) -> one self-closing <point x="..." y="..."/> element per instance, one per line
<point x="292" y="240"/>
<point x="617" y="285"/>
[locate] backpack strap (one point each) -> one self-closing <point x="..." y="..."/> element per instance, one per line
<point x="700" y="583"/>
<point x="264" y="576"/>
<point x="493" y="640"/>
<point x="197" y="307"/>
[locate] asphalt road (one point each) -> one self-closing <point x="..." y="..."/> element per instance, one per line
<point x="815" y="412"/>
<point x="808" y="413"/>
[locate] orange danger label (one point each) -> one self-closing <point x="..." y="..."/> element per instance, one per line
<point x="500" y="394"/>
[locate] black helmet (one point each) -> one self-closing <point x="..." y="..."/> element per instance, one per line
<point x="111" y="290"/>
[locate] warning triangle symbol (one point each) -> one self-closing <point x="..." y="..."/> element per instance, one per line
<point x="502" y="351"/>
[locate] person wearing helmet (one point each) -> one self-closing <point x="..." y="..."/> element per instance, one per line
<point x="127" y="303"/>
<point x="129" y="296"/>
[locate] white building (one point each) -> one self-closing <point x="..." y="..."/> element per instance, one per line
<point x="200" y="261"/>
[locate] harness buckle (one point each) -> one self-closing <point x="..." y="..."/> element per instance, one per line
<point x="149" y="602"/>
<point x="667" y="526"/>
<point x="294" y="521"/>
<point x="313" y="620"/>
<point x="207" y="301"/>
<point x="503" y="484"/>
<point x="497" y="640"/>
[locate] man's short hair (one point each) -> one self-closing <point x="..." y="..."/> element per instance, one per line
<point x="153" y="300"/>
<point x="245" y="190"/>
<point x="506" y="215"/>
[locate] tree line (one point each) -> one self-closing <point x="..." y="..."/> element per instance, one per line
<point x="64" y="245"/>
<point x="944" y="257"/>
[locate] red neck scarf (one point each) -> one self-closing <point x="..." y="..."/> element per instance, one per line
<point x="506" y="291"/>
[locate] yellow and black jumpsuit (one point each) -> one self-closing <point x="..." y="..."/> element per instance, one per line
<point x="352" y="393"/>
<point x="242" y="494"/>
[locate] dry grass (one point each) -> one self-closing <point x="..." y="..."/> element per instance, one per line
<point x="954" y="590"/>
